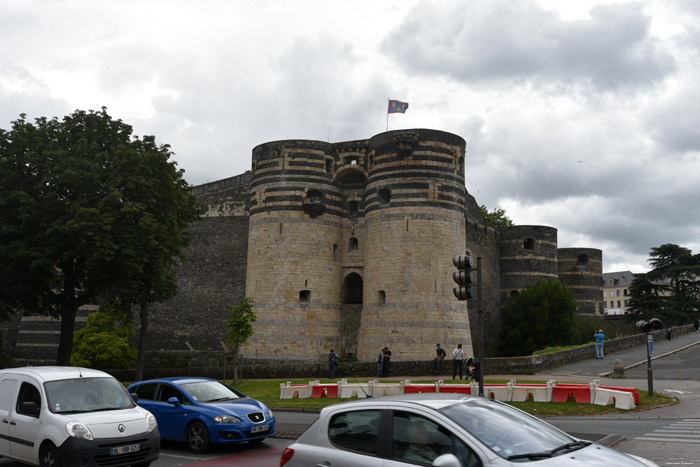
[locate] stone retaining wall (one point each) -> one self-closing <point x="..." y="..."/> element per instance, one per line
<point x="274" y="370"/>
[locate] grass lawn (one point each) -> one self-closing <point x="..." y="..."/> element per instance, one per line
<point x="268" y="391"/>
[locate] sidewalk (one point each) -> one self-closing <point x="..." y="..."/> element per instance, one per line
<point x="630" y="358"/>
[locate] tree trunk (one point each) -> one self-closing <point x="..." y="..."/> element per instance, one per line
<point x="235" y="366"/>
<point x="65" y="343"/>
<point x="143" y="334"/>
<point x="69" y="306"/>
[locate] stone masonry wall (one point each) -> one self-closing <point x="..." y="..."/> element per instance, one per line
<point x="483" y="241"/>
<point x="212" y="278"/>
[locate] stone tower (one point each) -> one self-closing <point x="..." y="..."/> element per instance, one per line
<point x="528" y="255"/>
<point x="350" y="246"/>
<point x="581" y="270"/>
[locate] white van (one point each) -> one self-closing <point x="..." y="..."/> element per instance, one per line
<point x="73" y="417"/>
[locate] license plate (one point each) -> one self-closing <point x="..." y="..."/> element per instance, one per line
<point x="124" y="449"/>
<point x="259" y="428"/>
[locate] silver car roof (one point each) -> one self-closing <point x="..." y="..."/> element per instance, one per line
<point x="434" y="401"/>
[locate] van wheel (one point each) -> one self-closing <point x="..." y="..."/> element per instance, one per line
<point x="197" y="438"/>
<point x="48" y="456"/>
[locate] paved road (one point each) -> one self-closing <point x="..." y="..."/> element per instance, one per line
<point x="667" y="435"/>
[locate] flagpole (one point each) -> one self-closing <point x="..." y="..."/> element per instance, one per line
<point x="387" y="113"/>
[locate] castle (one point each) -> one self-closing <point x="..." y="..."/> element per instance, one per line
<point x="348" y="246"/>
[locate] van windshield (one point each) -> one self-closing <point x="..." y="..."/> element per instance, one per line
<point x="86" y="395"/>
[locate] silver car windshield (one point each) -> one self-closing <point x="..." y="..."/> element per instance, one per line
<point x="209" y="391"/>
<point x="509" y="432"/>
<point x="79" y="395"/>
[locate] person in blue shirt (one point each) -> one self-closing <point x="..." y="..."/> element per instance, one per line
<point x="599" y="337"/>
<point x="332" y="363"/>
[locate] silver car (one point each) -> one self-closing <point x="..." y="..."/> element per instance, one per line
<point x="445" y="430"/>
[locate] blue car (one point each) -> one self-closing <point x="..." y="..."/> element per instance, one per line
<point x="203" y="412"/>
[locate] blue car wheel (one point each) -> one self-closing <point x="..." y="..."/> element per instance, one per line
<point x="198" y="438"/>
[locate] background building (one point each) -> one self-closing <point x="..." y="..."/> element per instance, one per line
<point x="616" y="292"/>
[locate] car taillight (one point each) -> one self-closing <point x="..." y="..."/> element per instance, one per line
<point x="286" y="455"/>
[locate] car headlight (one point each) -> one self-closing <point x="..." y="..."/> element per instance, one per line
<point x="227" y="419"/>
<point x="78" y="430"/>
<point x="151" y="421"/>
<point x="272" y="415"/>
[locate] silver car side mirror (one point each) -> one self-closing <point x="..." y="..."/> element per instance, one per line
<point x="447" y="460"/>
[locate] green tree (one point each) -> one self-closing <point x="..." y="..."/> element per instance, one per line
<point x="543" y="315"/>
<point x="78" y="202"/>
<point x="148" y="219"/>
<point x="671" y="290"/>
<point x="240" y="329"/>
<point x="104" y="342"/>
<point x="496" y="218"/>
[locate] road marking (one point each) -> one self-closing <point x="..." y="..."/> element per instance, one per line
<point x="682" y="431"/>
<point x="677" y="391"/>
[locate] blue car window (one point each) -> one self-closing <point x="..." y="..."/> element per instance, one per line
<point x="167" y="391"/>
<point x="146" y="391"/>
<point x="356" y="431"/>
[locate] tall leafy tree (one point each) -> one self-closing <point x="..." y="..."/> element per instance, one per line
<point x="86" y="210"/>
<point x="148" y="218"/>
<point x="543" y="315"/>
<point x="671" y="290"/>
<point x="496" y="218"/>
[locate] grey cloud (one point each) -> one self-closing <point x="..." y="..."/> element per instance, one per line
<point x="304" y="93"/>
<point x="487" y="40"/>
<point x="673" y="122"/>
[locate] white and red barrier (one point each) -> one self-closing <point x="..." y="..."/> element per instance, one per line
<point x="593" y="393"/>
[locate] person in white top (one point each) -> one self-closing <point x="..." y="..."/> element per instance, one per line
<point x="458" y="359"/>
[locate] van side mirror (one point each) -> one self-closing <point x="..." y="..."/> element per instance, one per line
<point x="174" y="401"/>
<point x="30" y="408"/>
<point x="134" y="397"/>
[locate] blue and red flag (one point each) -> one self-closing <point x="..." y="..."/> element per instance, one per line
<point x="397" y="107"/>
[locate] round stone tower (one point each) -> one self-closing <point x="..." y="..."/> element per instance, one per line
<point x="528" y="255"/>
<point x="350" y="247"/>
<point x="293" y="270"/>
<point x="414" y="222"/>
<point x="581" y="269"/>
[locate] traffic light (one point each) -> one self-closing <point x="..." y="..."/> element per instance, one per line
<point x="653" y="324"/>
<point x="464" y="277"/>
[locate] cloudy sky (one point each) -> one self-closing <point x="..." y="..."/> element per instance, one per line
<point x="578" y="115"/>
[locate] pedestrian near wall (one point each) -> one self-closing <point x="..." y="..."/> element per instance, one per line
<point x="332" y="363"/>
<point x="439" y="357"/>
<point x="386" y="364"/>
<point x="380" y="362"/>
<point x="599" y="338"/>
<point x="458" y="361"/>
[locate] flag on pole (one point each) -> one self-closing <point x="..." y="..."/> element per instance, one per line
<point x="397" y="107"/>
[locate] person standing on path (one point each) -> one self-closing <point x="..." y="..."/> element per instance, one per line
<point x="458" y="359"/>
<point x="332" y="363"/>
<point x="599" y="337"/>
<point x="380" y="362"/>
<point x="386" y="363"/>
